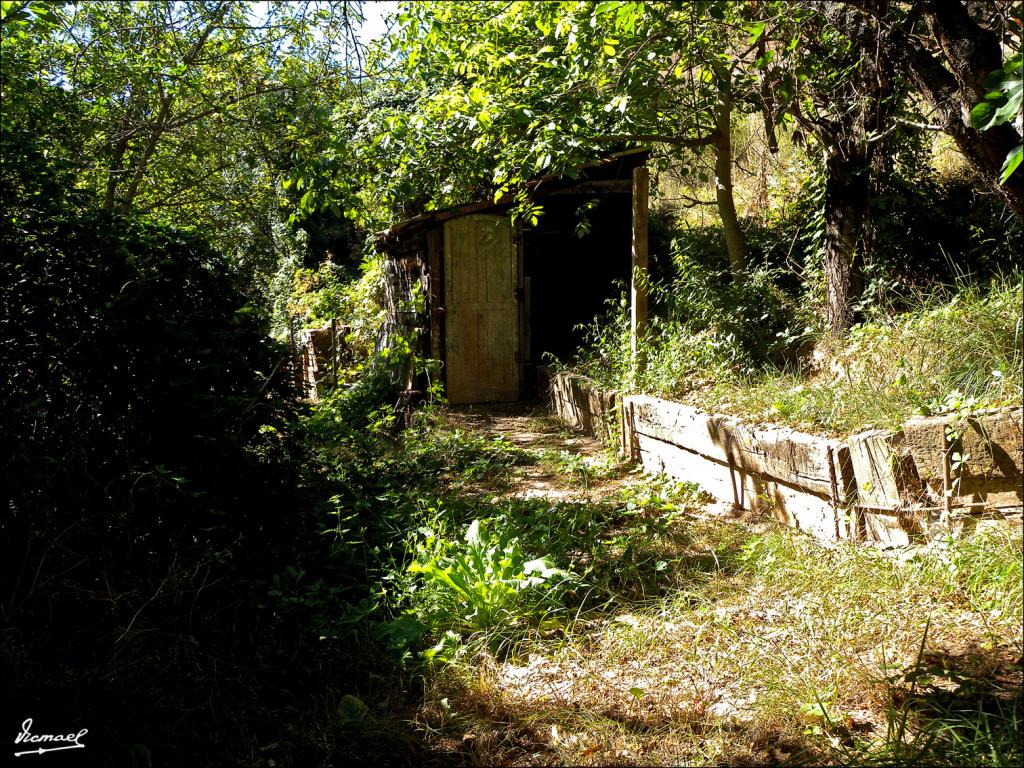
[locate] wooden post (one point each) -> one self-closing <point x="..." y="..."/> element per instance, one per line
<point x="435" y="293"/>
<point x="638" y="313"/>
<point x="296" y="356"/>
<point x="334" y="352"/>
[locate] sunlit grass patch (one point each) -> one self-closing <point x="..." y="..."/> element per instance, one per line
<point x="785" y="652"/>
<point x="681" y="638"/>
<point x="954" y="348"/>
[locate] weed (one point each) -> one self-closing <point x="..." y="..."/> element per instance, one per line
<point x="489" y="577"/>
<point x="949" y="348"/>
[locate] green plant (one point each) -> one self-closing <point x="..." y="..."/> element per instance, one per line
<point x="1001" y="105"/>
<point x="704" y="326"/>
<point x="489" y="578"/>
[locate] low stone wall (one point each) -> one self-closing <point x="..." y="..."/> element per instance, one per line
<point x="883" y="486"/>
<point x="904" y="477"/>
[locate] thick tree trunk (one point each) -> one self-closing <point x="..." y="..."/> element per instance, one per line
<point x="971" y="53"/>
<point x="847" y="191"/>
<point x="723" y="181"/>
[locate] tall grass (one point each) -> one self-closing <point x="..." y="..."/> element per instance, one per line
<point x="956" y="347"/>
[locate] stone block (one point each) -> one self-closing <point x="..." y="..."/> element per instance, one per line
<point x="994" y="440"/>
<point x="747" y="490"/>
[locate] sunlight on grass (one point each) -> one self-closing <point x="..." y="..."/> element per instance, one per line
<point x="966" y="346"/>
<point x="742" y="647"/>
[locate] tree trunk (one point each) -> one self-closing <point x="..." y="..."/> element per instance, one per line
<point x="723" y="180"/>
<point x="847" y="191"/>
<point x="970" y="52"/>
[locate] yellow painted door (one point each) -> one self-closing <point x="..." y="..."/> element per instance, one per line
<point x="481" y="310"/>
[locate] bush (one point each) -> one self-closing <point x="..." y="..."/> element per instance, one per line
<point x="148" y="474"/>
<point x="704" y="326"/>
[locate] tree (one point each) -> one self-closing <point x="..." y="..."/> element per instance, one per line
<point x="189" y="108"/>
<point x="503" y="93"/>
<point x="832" y="81"/>
<point x="949" y="50"/>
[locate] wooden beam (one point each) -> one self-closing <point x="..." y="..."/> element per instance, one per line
<point x="334" y="353"/>
<point x="638" y="313"/>
<point x="435" y="279"/>
<point x="600" y="187"/>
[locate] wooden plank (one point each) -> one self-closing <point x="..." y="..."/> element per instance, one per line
<point x="792" y="457"/>
<point x="746" y="490"/>
<point x="993" y="440"/>
<point x="482" y="311"/>
<point x="879" y="526"/>
<point x="436" y="293"/>
<point x="795" y="458"/>
<point x="683" y="425"/>
<point x="879" y="466"/>
<point x="583" y="405"/>
<point x="519" y="291"/>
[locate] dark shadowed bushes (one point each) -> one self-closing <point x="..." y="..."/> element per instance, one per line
<point x="149" y="482"/>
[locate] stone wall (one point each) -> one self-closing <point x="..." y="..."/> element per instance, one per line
<point x="905" y="477"/>
<point x="878" y="485"/>
<point x="803" y="480"/>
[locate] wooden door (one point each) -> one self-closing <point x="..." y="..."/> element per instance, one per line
<point x="481" y="268"/>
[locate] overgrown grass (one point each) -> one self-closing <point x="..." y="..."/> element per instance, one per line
<point x="683" y="639"/>
<point x="621" y="625"/>
<point x="955" y="349"/>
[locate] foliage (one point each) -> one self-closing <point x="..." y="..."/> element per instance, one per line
<point x="953" y="54"/>
<point x="491" y="96"/>
<point x="489" y="578"/>
<point x="843" y="654"/>
<point x="966" y="344"/>
<point x="188" y="547"/>
<point x="150" y="482"/>
<point x="181" y="108"/>
<point x="695" y="334"/>
<point x="1002" y="105"/>
<point x="320" y="295"/>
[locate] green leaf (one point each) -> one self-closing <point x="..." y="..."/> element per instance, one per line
<point x="1013" y="159"/>
<point x="1010" y="109"/>
<point x="992" y="80"/>
<point x="352" y="710"/>
<point x="981" y="115"/>
<point x="756" y="30"/>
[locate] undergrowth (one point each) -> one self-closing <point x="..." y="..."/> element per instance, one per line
<point x="952" y="349"/>
<point x="620" y="625"/>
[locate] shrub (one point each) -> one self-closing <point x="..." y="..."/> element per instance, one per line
<point x="149" y="481"/>
<point x="705" y="326"/>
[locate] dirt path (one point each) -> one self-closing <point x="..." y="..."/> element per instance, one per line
<point x="531" y="427"/>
